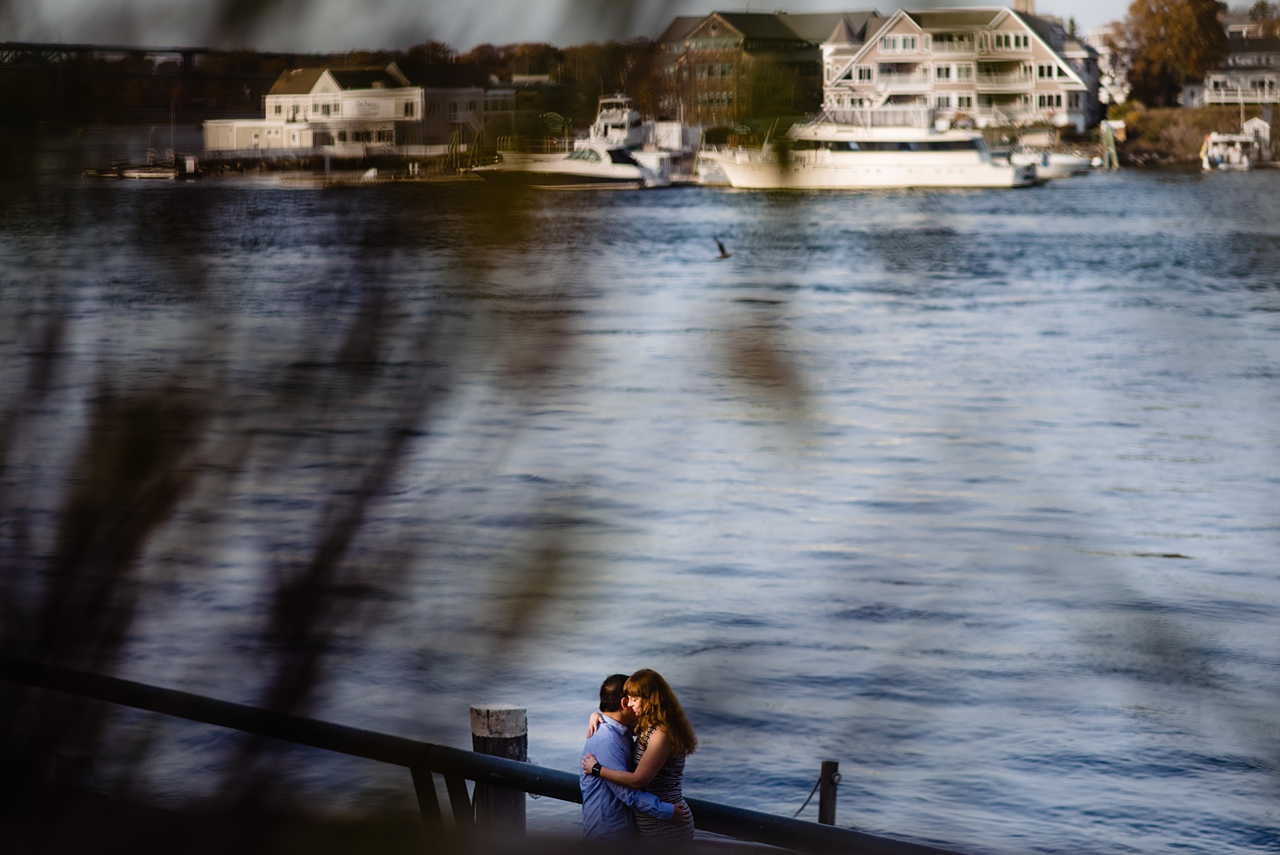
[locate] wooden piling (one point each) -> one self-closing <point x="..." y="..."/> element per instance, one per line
<point x="830" y="779"/>
<point x="500" y="730"/>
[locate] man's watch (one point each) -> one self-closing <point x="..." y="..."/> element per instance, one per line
<point x="595" y="770"/>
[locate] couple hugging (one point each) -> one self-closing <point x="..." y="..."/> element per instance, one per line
<point x="628" y="788"/>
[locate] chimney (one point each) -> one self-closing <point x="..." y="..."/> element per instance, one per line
<point x="1027" y="7"/>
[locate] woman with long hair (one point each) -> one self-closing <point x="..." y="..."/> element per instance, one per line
<point x="664" y="738"/>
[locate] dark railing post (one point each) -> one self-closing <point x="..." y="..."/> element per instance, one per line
<point x="500" y="730"/>
<point x="424" y="786"/>
<point x="460" y="802"/>
<point x="830" y="778"/>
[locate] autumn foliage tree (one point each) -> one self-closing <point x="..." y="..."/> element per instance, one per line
<point x="1163" y="43"/>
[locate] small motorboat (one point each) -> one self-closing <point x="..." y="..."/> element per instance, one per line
<point x="150" y="173"/>
<point x="1227" y="152"/>
<point x="1051" y="164"/>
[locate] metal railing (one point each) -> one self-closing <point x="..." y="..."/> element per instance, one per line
<point x="1015" y="79"/>
<point x="907" y="78"/>
<point x="534" y="145"/>
<point x="1270" y="95"/>
<point x="424" y="758"/>
<point x="966" y="47"/>
<point x="879" y="117"/>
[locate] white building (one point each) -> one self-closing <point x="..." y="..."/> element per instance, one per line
<point x="354" y="111"/>
<point x="993" y="66"/>
<point x="1249" y="75"/>
<point x="316" y="107"/>
<point x="1113" y="83"/>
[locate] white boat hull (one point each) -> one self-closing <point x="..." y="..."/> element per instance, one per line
<point x="755" y="170"/>
<point x="571" y="171"/>
<point x="1053" y="164"/>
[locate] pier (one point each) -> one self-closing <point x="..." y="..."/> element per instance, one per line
<point x="491" y="809"/>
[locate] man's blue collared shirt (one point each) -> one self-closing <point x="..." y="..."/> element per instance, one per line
<point x="606" y="807"/>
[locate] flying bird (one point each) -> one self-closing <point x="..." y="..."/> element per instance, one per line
<point x="724" y="253"/>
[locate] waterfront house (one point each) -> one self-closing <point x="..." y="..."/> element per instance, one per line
<point x="988" y="66"/>
<point x="1249" y="75"/>
<point x="353" y="111"/>
<point x="317" y="107"/>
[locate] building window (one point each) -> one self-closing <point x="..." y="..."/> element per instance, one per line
<point x="1062" y="72"/>
<point x="715" y="70"/>
<point x="964" y="100"/>
<point x="386" y="136"/>
<point x="433" y="107"/>
<point x="942" y="72"/>
<point x="1073" y="100"/>
<point x="943" y="102"/>
<point x="715" y="99"/>
<point x="472" y="105"/>
<point x="408" y="109"/>
<point x="1011" y="41"/>
<point x="964" y="71"/>
<point x="342" y="136"/>
<point x="864" y="73"/>
<point x="888" y="43"/>
<point x="278" y="110"/>
<point x="324" y="109"/>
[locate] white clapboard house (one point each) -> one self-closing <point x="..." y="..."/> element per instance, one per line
<point x="351" y="109"/>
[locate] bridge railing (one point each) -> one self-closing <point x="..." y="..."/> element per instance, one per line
<point x="457" y="766"/>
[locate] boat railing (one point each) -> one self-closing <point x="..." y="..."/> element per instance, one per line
<point x="424" y="760"/>
<point x="535" y="145"/>
<point x="878" y="117"/>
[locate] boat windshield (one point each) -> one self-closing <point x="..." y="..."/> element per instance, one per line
<point x="885" y="145"/>
<point x="588" y="154"/>
<point x="621" y="155"/>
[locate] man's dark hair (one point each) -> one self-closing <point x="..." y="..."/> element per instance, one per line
<point x="611" y="692"/>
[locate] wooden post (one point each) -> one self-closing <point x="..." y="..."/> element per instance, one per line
<point x="500" y="730"/>
<point x="830" y="778"/>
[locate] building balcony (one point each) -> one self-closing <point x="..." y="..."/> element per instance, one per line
<point x="1014" y="81"/>
<point x="953" y="48"/>
<point x="1269" y="95"/>
<point x="915" y="81"/>
<point x="1006" y="53"/>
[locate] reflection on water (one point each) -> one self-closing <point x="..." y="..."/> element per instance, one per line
<point x="968" y="491"/>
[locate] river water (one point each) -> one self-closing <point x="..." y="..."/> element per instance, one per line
<point x="972" y="492"/>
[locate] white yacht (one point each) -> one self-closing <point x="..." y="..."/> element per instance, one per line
<point x="618" y="122"/>
<point x="593" y="164"/>
<point x="608" y="158"/>
<point x="826" y="155"/>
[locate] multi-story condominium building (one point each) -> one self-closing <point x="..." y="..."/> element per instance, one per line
<point x="727" y="66"/>
<point x="990" y="66"/>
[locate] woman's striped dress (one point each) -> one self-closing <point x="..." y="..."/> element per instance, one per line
<point x="666" y="786"/>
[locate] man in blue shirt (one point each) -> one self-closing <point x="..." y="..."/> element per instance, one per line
<point x="606" y="807"/>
